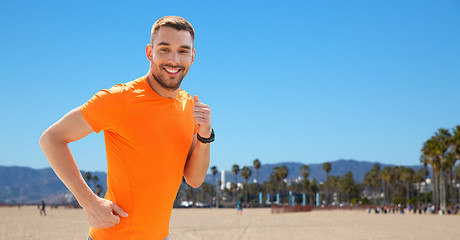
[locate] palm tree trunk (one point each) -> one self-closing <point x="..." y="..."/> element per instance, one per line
<point x="451" y="188"/>
<point x="390" y="192"/>
<point x="426" y="199"/>
<point x="426" y="195"/>
<point x="257" y="182"/>
<point x="435" y="186"/>
<point x="385" y="195"/>
<point x="407" y="193"/>
<point x="454" y="194"/>
<point x="373" y="194"/>
<point x="418" y="193"/>
<point x="327" y="188"/>
<point x="443" y="191"/>
<point x="279" y="190"/>
<point x="246" y="188"/>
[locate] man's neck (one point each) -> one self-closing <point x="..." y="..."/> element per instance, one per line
<point x="156" y="87"/>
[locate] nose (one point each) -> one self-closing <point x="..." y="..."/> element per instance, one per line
<point x="174" y="58"/>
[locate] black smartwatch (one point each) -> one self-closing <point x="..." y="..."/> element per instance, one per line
<point x="206" y="140"/>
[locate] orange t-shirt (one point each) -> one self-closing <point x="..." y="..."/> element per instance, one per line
<point x="148" y="138"/>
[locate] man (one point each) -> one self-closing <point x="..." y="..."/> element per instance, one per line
<point x="43" y="208"/>
<point x="151" y="129"/>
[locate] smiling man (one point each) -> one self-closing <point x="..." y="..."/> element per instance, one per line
<point x="154" y="132"/>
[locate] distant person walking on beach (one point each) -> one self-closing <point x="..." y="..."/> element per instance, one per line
<point x="239" y="207"/>
<point x="155" y="134"/>
<point x="43" y="208"/>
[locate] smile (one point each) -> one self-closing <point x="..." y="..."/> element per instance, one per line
<point x="171" y="70"/>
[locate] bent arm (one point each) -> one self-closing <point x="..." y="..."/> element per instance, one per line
<point x="197" y="164"/>
<point x="53" y="142"/>
<point x="101" y="213"/>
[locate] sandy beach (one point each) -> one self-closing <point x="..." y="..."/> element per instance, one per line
<point x="254" y="224"/>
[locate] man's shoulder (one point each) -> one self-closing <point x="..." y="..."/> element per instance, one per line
<point x="130" y="86"/>
<point x="127" y="85"/>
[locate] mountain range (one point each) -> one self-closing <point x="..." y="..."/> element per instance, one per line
<point x="27" y="185"/>
<point x="338" y="168"/>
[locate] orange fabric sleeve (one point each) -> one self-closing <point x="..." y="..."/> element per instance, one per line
<point x="105" y="109"/>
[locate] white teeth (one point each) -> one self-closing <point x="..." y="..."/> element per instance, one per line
<point x="171" y="70"/>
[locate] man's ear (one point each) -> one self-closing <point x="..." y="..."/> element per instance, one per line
<point x="193" y="56"/>
<point x="148" y="52"/>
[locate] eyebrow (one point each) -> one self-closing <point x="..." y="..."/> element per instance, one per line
<point x="167" y="44"/>
<point x="164" y="43"/>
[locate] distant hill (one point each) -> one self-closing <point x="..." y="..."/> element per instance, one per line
<point x="338" y="168"/>
<point x="27" y="185"/>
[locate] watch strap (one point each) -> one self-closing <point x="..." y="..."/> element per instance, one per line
<point x="206" y="140"/>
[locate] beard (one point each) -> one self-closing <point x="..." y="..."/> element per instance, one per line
<point x="162" y="79"/>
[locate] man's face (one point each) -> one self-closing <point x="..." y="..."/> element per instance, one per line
<point x="172" y="54"/>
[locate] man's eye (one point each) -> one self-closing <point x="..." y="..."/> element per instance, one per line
<point x="164" y="50"/>
<point x="183" y="51"/>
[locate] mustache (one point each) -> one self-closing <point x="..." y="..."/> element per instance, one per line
<point x="173" y="66"/>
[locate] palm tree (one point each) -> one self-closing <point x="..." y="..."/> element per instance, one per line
<point x="235" y="170"/>
<point x="87" y="177"/>
<point x="386" y="176"/>
<point x="456" y="178"/>
<point x="305" y="171"/>
<point x="306" y="185"/>
<point x="333" y="185"/>
<point x="214" y="172"/>
<point x="276" y="176"/>
<point x="327" y="169"/>
<point x="279" y="174"/>
<point x="246" y="173"/>
<point x="419" y="178"/>
<point x="371" y="180"/>
<point x="99" y="190"/>
<point x="443" y="140"/>
<point x="283" y="172"/>
<point x="455" y="144"/>
<point x="428" y="158"/>
<point x="347" y="184"/>
<point x="407" y="175"/>
<point x="256" y="164"/>
<point x="449" y="164"/>
<point x="95" y="179"/>
<point x="456" y="140"/>
<point x="435" y="152"/>
<point x="313" y="189"/>
<point x="425" y="168"/>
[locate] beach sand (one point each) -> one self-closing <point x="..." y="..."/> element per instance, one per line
<point x="254" y="224"/>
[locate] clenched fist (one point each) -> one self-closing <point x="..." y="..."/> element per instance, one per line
<point x="202" y="117"/>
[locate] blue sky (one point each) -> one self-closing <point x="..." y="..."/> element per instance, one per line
<point x="304" y="81"/>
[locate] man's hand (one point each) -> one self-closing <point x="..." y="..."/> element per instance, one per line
<point x="202" y="117"/>
<point x="199" y="156"/>
<point x="103" y="213"/>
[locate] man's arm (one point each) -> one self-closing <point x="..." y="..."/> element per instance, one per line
<point x="54" y="143"/>
<point x="198" y="161"/>
<point x="197" y="164"/>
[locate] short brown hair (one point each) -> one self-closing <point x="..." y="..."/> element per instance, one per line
<point x="175" y="22"/>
